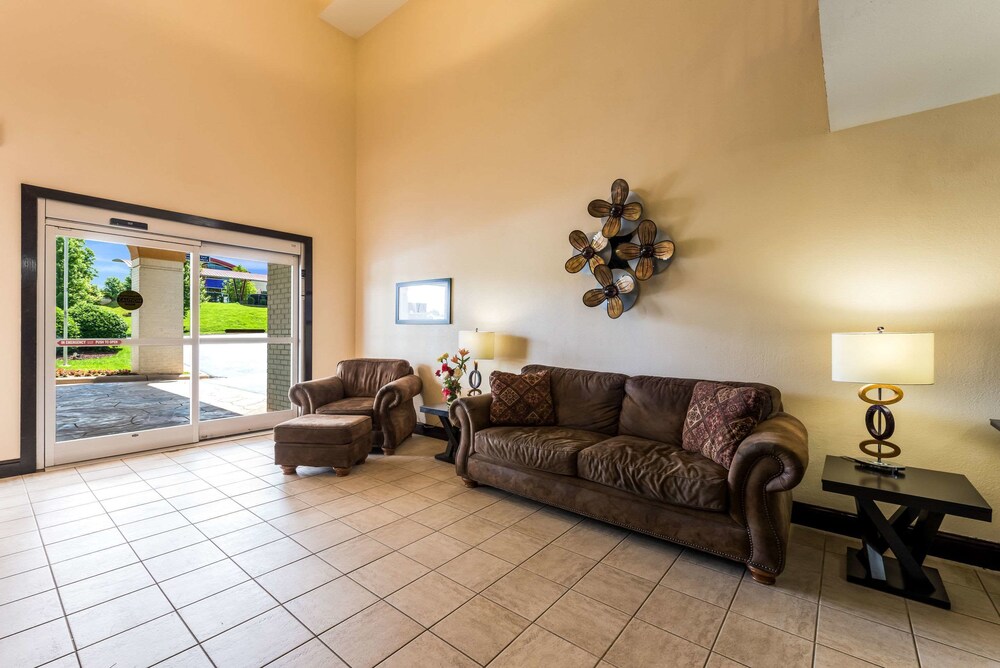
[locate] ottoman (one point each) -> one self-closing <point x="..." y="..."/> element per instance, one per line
<point x="339" y="441"/>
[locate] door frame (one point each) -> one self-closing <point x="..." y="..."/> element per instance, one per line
<point x="32" y="220"/>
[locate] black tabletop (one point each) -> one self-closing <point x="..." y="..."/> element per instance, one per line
<point x="937" y="491"/>
<point x="441" y="410"/>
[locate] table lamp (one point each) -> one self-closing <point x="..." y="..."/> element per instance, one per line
<point x="480" y="346"/>
<point x="883" y="361"/>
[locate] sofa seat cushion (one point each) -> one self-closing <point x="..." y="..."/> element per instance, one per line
<point x="349" y="406"/>
<point x="551" y="449"/>
<point x="656" y="470"/>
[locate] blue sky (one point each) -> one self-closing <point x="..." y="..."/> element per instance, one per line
<point x="107" y="252"/>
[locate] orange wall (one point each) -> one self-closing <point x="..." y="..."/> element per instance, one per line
<point x="236" y="110"/>
<point x="485" y="127"/>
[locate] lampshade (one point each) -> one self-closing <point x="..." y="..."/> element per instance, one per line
<point x="897" y="358"/>
<point x="479" y="344"/>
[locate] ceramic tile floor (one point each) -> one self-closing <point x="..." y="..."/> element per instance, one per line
<point x="211" y="556"/>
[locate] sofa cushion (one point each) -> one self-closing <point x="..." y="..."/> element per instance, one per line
<point x="521" y="399"/>
<point x="655" y="407"/>
<point x="656" y="470"/>
<point x="551" y="449"/>
<point x="720" y="417"/>
<point x="589" y="400"/>
<point x="349" y="406"/>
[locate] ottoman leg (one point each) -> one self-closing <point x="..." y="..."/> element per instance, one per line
<point x="341" y="471"/>
<point x="469" y="482"/>
<point x="288" y="470"/>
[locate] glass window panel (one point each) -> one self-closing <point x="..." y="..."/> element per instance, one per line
<point x="98" y="393"/>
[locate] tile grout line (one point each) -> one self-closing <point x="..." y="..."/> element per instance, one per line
<point x="165" y="597"/>
<point x="819" y="597"/>
<point x="62" y="607"/>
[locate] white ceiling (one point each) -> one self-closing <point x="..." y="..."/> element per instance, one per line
<point x="356" y="17"/>
<point x="889" y="58"/>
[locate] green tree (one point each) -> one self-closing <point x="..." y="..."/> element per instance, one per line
<point x="238" y="289"/>
<point x="114" y="286"/>
<point x="202" y="295"/>
<point x="81" y="272"/>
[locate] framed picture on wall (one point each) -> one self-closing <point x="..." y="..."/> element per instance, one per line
<point x="424" y="302"/>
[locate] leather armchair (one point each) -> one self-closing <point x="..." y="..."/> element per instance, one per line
<point x="382" y="389"/>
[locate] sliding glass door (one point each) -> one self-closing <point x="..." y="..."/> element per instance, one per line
<point x="154" y="341"/>
<point x="247" y="329"/>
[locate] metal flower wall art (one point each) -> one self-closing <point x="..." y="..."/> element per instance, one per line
<point x="648" y="255"/>
<point x="588" y="251"/>
<point x="620" y="206"/>
<point x="622" y="253"/>
<point x="617" y="290"/>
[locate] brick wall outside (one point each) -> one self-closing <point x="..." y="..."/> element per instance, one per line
<point x="279" y="323"/>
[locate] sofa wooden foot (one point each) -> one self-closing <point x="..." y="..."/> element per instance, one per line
<point x="288" y="470"/>
<point x="388" y="452"/>
<point x="469" y="482"/>
<point x="762" y="576"/>
<point x="341" y="471"/>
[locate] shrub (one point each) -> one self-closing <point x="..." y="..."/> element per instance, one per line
<point x="72" y="329"/>
<point x="97" y="322"/>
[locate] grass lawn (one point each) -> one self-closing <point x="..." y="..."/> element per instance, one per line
<point x="117" y="362"/>
<point x="217" y="318"/>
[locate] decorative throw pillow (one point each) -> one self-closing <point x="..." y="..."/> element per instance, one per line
<point x="719" y="417"/>
<point x="522" y="399"/>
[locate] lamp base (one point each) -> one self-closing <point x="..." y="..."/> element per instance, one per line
<point x="475" y="378"/>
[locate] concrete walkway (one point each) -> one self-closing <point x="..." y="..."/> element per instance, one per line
<point x="238" y="386"/>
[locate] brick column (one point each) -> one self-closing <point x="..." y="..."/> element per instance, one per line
<point x="159" y="277"/>
<point x="279" y="323"/>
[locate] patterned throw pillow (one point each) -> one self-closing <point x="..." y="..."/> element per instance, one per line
<point x="522" y="399"/>
<point x="719" y="417"/>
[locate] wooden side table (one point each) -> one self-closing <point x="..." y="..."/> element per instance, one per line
<point x="924" y="498"/>
<point x="441" y="412"/>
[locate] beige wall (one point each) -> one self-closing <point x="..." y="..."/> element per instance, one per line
<point x="485" y="127"/>
<point x="241" y="110"/>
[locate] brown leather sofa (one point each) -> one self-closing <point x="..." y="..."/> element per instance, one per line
<point x="615" y="455"/>
<point x="382" y="389"/>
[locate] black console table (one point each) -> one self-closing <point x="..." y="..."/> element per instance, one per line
<point x="441" y="412"/>
<point x="924" y="498"/>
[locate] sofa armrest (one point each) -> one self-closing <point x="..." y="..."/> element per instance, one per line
<point x="397" y="392"/>
<point x="781" y="445"/>
<point x="312" y="394"/>
<point x="768" y="464"/>
<point x="470" y="414"/>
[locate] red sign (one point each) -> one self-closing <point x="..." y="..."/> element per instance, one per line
<point x="89" y="342"/>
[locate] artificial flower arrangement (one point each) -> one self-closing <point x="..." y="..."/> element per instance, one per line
<point x="450" y="372"/>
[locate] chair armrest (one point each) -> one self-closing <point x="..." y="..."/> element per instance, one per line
<point x="312" y="394"/>
<point x="470" y="414"/>
<point x="779" y="444"/>
<point x="397" y="393"/>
